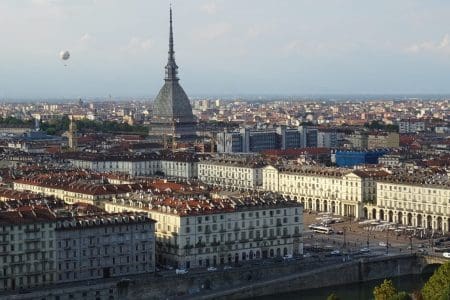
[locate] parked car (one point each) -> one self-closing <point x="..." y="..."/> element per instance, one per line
<point x="227" y="267"/>
<point x="382" y="244"/>
<point x="335" y="252"/>
<point x="446" y="254"/>
<point x="181" y="271"/>
<point x="211" y="269"/>
<point x="364" y="250"/>
<point x="287" y="257"/>
<point x="339" y="232"/>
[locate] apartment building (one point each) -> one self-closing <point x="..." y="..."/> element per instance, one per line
<point x="74" y="191"/>
<point x="216" y="230"/>
<point x="103" y="246"/>
<point x="261" y="139"/>
<point x="178" y="164"/>
<point x="39" y="247"/>
<point x="383" y="140"/>
<point x="27" y="248"/>
<point x="232" y="172"/>
<point x="339" y="191"/>
<point x="411" y="126"/>
<point x="419" y="199"/>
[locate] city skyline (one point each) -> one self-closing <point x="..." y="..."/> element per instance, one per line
<point x="331" y="47"/>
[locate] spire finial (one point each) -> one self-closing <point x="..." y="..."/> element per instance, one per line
<point x="171" y="33"/>
<point x="171" y="67"/>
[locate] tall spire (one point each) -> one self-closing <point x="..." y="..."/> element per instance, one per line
<point x="171" y="67"/>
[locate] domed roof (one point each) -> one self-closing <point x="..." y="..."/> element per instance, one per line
<point x="172" y="104"/>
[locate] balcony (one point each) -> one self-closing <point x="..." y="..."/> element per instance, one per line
<point x="188" y="247"/>
<point x="35" y="272"/>
<point x="243" y="241"/>
<point x="229" y="242"/>
<point x="200" y="245"/>
<point x="173" y="246"/>
<point x="286" y="236"/>
<point x="215" y="244"/>
<point x="32" y="240"/>
<point x="31" y="250"/>
<point x="258" y="239"/>
<point x="236" y="229"/>
<point x="35" y="229"/>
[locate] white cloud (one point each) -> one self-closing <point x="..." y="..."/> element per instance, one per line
<point x="44" y="2"/>
<point x="257" y="30"/>
<point x="86" y="38"/>
<point x="210" y="8"/>
<point x="214" y="31"/>
<point x="86" y="42"/>
<point x="442" y="46"/>
<point x="138" y="44"/>
<point x="301" y="47"/>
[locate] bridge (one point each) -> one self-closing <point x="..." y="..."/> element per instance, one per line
<point x="429" y="262"/>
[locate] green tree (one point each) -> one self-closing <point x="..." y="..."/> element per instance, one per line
<point x="445" y="294"/>
<point x="438" y="284"/>
<point x="384" y="291"/>
<point x="333" y="296"/>
<point x="401" y="296"/>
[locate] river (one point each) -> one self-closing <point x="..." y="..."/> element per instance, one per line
<point x="354" y="291"/>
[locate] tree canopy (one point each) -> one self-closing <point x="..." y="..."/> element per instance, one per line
<point x="12" y="121"/>
<point x="58" y="126"/>
<point x="401" y="296"/>
<point x="333" y="296"/>
<point x="384" y="291"/>
<point x="378" y="125"/>
<point x="438" y="285"/>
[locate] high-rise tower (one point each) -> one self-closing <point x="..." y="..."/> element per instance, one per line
<point x="72" y="135"/>
<point x="172" y="111"/>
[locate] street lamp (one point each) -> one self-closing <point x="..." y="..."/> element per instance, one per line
<point x="387" y="241"/>
<point x="345" y="235"/>
<point x="410" y="244"/>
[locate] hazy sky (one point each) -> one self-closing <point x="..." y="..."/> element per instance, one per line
<point x="119" y="47"/>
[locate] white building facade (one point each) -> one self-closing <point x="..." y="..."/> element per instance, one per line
<point x="323" y="189"/>
<point x="231" y="174"/>
<point x="412" y="204"/>
<point x="196" y="237"/>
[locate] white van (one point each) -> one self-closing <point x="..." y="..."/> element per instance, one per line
<point x="181" y="271"/>
<point x="446" y="254"/>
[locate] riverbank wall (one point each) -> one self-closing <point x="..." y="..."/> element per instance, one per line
<point x="248" y="283"/>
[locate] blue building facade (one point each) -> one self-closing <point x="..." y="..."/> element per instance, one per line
<point x="353" y="158"/>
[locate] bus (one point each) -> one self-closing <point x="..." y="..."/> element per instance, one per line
<point x="321" y="229"/>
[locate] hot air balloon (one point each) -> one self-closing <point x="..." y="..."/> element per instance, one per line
<point x="64" y="55"/>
